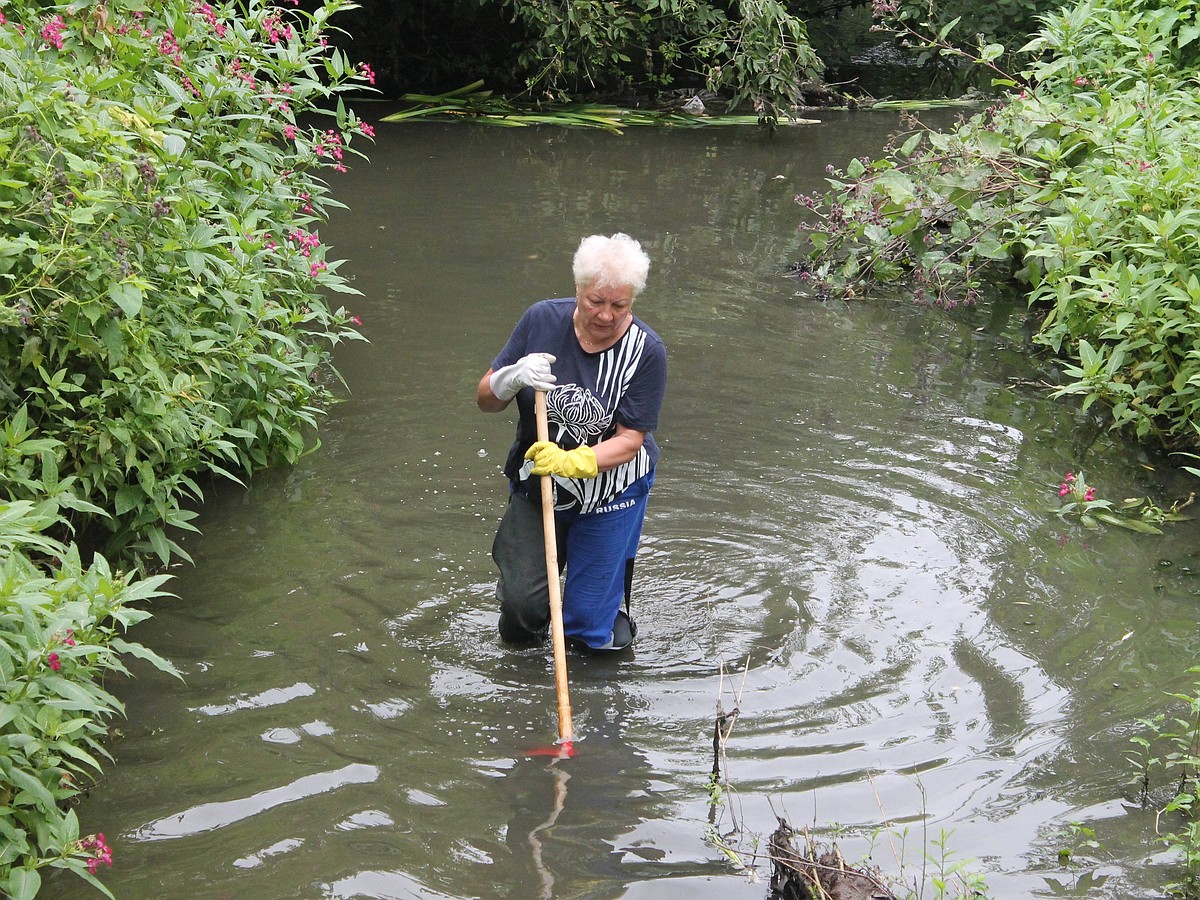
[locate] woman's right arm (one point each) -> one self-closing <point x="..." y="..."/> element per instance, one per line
<point x="486" y="400"/>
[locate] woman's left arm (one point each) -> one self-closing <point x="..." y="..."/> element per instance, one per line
<point x="620" y="448"/>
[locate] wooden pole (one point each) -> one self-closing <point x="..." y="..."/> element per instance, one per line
<point x="566" y="733"/>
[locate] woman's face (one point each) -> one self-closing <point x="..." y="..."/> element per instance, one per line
<point x="602" y="313"/>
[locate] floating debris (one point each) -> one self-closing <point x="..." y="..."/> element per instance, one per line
<point x="473" y="104"/>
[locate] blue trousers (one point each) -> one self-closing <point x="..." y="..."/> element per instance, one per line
<point x="597" y="550"/>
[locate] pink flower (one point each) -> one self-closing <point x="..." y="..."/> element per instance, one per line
<point x="207" y="12"/>
<point x="1089" y="495"/>
<point x="1081" y="80"/>
<point x="1064" y="490"/>
<point x="98" y="851"/>
<point x="52" y="32"/>
<point x="289" y="132"/>
<point x="317" y="268"/>
<point x="304" y="241"/>
<point x="3" y="21"/>
<point x="53" y="662"/>
<point x="356" y="320"/>
<point x="168" y="46"/>
<point x="367" y="72"/>
<point x="366" y="129"/>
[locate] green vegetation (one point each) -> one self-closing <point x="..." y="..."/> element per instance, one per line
<point x="1080" y="502"/>
<point x="60" y="633"/>
<point x="755" y="52"/>
<point x="1178" y="819"/>
<point x="761" y="56"/>
<point x="162" y="320"/>
<point x="480" y="106"/>
<point x="1078" y="185"/>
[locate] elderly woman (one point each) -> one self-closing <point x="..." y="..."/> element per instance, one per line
<point x="605" y="372"/>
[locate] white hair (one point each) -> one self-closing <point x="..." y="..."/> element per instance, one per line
<point x="617" y="261"/>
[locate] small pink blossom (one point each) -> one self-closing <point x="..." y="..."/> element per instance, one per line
<point x="317" y="268"/>
<point x="304" y="241"/>
<point x="168" y="46"/>
<point x="207" y="12"/>
<point x="98" y="850"/>
<point x="367" y="72"/>
<point x="1080" y="81"/>
<point x="331" y="144"/>
<point x="1089" y="495"/>
<point x="356" y="320"/>
<point x="366" y="129"/>
<point x="289" y="132"/>
<point x="53" y="661"/>
<point x="52" y="32"/>
<point x="275" y="30"/>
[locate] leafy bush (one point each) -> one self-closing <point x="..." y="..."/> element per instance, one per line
<point x="1177" y="822"/>
<point x="1008" y="23"/>
<point x="1079" y="184"/>
<point x="161" y="279"/>
<point x="60" y="632"/>
<point x="162" y="318"/>
<point x="756" y="50"/>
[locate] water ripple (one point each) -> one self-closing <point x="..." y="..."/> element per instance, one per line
<point x="210" y="816"/>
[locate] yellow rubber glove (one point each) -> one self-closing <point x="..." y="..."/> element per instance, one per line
<point x="551" y="459"/>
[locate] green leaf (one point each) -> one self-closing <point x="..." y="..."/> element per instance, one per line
<point x="24" y="884"/>
<point x="25" y="782"/>
<point x="126" y="295"/>
<point x="163" y="665"/>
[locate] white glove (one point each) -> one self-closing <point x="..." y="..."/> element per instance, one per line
<point x="528" y="371"/>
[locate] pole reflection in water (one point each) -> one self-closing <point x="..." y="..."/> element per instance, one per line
<point x="560" y="779"/>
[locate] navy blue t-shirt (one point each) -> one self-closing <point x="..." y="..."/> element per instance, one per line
<point x="594" y="392"/>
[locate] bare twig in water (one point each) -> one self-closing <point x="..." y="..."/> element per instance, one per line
<point x="722" y="729"/>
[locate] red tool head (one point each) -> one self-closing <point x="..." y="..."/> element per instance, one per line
<point x="561" y="750"/>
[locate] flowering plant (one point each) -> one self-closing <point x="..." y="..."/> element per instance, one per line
<point x="1078" y="185"/>
<point x="61" y="632"/>
<point x="164" y="291"/>
<point x="1079" y="500"/>
<point x="165" y="314"/>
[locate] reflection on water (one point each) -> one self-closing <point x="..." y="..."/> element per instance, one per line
<point x="853" y="513"/>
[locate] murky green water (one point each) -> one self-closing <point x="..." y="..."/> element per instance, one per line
<point x="851" y="518"/>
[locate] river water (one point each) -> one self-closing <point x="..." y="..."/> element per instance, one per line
<point x="851" y="540"/>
